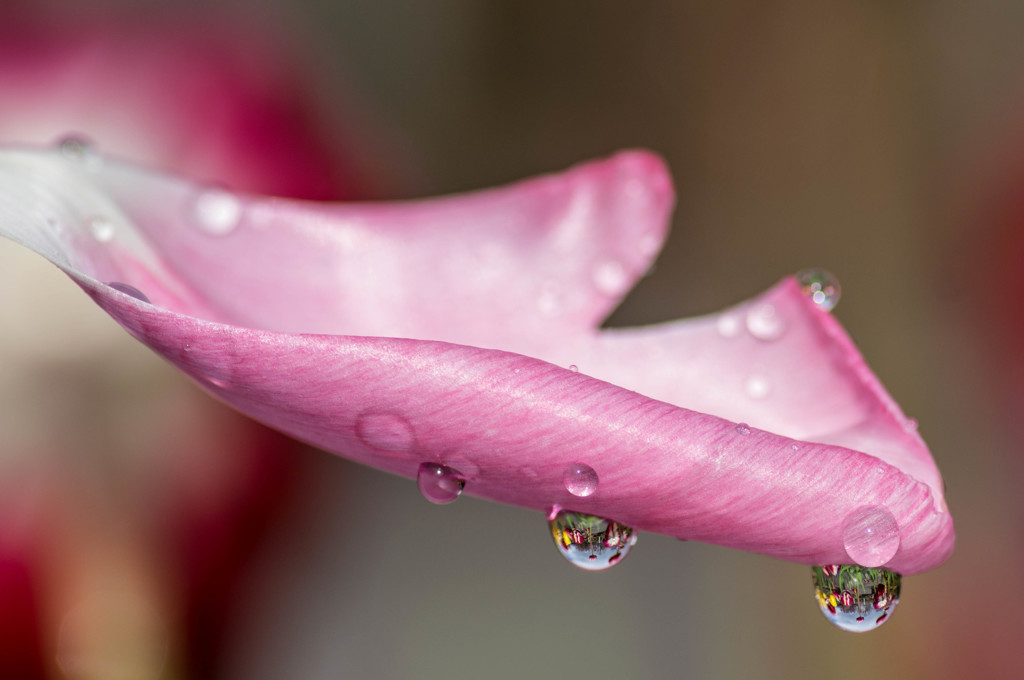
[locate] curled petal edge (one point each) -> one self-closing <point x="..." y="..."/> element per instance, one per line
<point x="511" y="424"/>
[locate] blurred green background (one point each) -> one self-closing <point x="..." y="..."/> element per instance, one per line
<point x="879" y="140"/>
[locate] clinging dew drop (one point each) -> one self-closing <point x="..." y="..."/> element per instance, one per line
<point x="217" y="211"/>
<point x="580" y="479"/>
<point x="439" y="484"/>
<point x="590" y="542"/>
<point x="128" y="290"/>
<point x="821" y="286"/>
<point x="871" y="535"/>
<point x="854" y="598"/>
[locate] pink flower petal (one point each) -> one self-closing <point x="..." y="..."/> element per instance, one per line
<point x="301" y="315"/>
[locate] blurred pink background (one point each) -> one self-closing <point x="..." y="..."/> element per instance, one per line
<point x="884" y="142"/>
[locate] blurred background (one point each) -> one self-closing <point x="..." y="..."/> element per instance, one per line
<point x="146" y="531"/>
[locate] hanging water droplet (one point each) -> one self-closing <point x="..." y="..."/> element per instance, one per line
<point x="101" y="229"/>
<point x="128" y="290"/>
<point x="821" y="286"/>
<point x="580" y="479"/>
<point x="757" y="386"/>
<point x="80" y="150"/>
<point x="855" y="598"/>
<point x="385" y="432"/>
<point x="590" y="542"/>
<point x="764" y="322"/>
<point x="574" y="368"/>
<point x="217" y="211"/>
<point x="743" y="429"/>
<point x="610" y="277"/>
<point x="439" y="483"/>
<point x="728" y="325"/>
<point x="871" y="535"/>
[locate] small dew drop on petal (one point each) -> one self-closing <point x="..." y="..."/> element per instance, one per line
<point x="743" y="429"/>
<point x="217" y="211"/>
<point x="128" y="290"/>
<point x="756" y="386"/>
<point x="80" y="150"/>
<point x="580" y="480"/>
<point x="439" y="484"/>
<point x="574" y="368"/>
<point x="821" y="286"/>
<point x="764" y="322"/>
<point x="728" y="325"/>
<point x="871" y="536"/>
<point x="101" y="229"/>
<point x="610" y="277"/>
<point x="385" y="432"/>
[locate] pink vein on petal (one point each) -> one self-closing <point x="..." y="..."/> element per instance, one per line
<point x="302" y="317"/>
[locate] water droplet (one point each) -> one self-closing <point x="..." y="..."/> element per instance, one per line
<point x="101" y="229"/>
<point x="439" y="483"/>
<point x="728" y="325"/>
<point x="128" y="290"/>
<point x="590" y="542"/>
<point x="610" y="277"/>
<point x="910" y="425"/>
<point x="757" y="386"/>
<point x="580" y="480"/>
<point x="217" y="211"/>
<point x="764" y="322"/>
<point x="871" y="535"/>
<point x="743" y="429"/>
<point x="80" y="150"/>
<point x="794" y="446"/>
<point x="385" y="432"/>
<point x="821" y="286"/>
<point x="574" y="368"/>
<point x="188" y="347"/>
<point x="549" y="301"/>
<point x="855" y="598"/>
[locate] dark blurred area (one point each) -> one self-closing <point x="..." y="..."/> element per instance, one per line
<point x="881" y="141"/>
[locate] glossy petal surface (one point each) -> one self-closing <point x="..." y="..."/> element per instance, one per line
<point x="442" y="330"/>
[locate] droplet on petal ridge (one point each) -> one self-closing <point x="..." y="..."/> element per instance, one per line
<point x="580" y="480"/>
<point x="101" y="229"/>
<point x="855" y="598"/>
<point x="80" y="150"/>
<point x="439" y="483"/>
<point x="764" y="322"/>
<point x="574" y="368"/>
<point x="610" y="277"/>
<point x="217" y="211"/>
<point x="128" y="290"/>
<point x="590" y="542"/>
<point x="871" y="535"/>
<point x="385" y="432"/>
<point x="821" y="286"/>
<point x="743" y="429"/>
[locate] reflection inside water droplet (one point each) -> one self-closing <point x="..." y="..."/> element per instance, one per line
<point x="590" y="542"/>
<point x="821" y="286"/>
<point x="855" y="598"/>
<point x="439" y="483"/>
<point x="580" y="479"/>
<point x="128" y="290"/>
<point x="217" y="211"/>
<point x="871" y="535"/>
